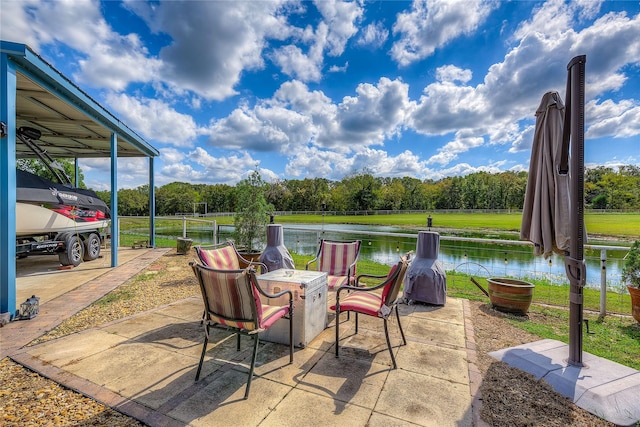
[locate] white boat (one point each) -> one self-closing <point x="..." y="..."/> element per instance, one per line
<point x="44" y="207"/>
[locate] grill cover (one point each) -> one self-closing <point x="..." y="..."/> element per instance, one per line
<point x="426" y="280"/>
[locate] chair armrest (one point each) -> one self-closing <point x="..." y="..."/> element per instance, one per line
<point x="310" y="262"/>
<point x="359" y="288"/>
<point x="370" y="276"/>
<point x="276" y="295"/>
<point x="245" y="263"/>
<point x="263" y="266"/>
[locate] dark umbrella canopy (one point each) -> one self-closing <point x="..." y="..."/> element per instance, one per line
<point x="546" y="213"/>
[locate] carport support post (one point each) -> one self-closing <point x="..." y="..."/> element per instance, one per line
<point x="8" y="189"/>
<point x="152" y="206"/>
<point x="115" y="238"/>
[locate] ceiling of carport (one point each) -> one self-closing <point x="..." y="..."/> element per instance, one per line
<point x="67" y="132"/>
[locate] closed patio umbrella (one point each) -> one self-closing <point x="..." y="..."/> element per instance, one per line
<point x="545" y="216"/>
<point x="553" y="212"/>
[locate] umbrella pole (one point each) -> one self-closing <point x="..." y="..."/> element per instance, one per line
<point x="574" y="261"/>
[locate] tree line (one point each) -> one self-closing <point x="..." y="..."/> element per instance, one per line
<point x="605" y="188"/>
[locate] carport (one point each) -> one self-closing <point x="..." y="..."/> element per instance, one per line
<point x="73" y="126"/>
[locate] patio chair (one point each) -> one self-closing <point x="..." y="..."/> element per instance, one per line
<point x="338" y="259"/>
<point x="232" y="299"/>
<point x="364" y="300"/>
<point x="225" y="256"/>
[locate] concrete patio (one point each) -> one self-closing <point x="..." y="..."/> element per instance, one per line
<point x="144" y="366"/>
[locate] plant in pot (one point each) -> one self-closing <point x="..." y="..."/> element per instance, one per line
<point x="631" y="276"/>
<point x="252" y="216"/>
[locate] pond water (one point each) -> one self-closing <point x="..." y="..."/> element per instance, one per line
<point x="472" y="257"/>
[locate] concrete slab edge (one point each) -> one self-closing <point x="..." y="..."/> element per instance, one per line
<point x="16" y="335"/>
<point x="96" y="392"/>
<point x="475" y="376"/>
<point x="609" y="399"/>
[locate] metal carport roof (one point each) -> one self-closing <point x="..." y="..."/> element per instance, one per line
<point x="73" y="125"/>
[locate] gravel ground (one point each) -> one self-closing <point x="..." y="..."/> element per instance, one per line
<point x="510" y="397"/>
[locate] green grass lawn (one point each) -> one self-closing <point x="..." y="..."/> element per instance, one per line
<point x="608" y="224"/>
<point x="618" y="225"/>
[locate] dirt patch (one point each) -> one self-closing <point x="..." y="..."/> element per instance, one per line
<point x="511" y="397"/>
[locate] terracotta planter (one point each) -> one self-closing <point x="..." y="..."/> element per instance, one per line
<point x="510" y="295"/>
<point x="249" y="256"/>
<point x="635" y="302"/>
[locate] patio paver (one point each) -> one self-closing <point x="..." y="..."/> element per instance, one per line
<point x="144" y="366"/>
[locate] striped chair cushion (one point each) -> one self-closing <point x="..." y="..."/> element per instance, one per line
<point x="271" y="313"/>
<point x="231" y="299"/>
<point x="389" y="286"/>
<point x="362" y="302"/>
<point x="335" y="282"/>
<point x="368" y="302"/>
<point x="221" y="259"/>
<point x="335" y="258"/>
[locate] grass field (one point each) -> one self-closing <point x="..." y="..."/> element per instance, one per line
<point x="617" y="226"/>
<point x="621" y="225"/>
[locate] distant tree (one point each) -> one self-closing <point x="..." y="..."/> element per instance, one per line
<point x="219" y="197"/>
<point x="362" y="188"/>
<point x="391" y="195"/>
<point x="133" y="202"/>
<point x="252" y="213"/>
<point x="36" y="167"/>
<point x="175" y="198"/>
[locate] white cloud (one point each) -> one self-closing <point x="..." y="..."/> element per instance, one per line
<point x="295" y="63"/>
<point x="262" y="128"/>
<point x="620" y="120"/>
<point x="226" y="169"/>
<point x="463" y="142"/>
<point x="451" y="73"/>
<point x="155" y="120"/>
<point x="433" y="23"/>
<point x="213" y="42"/>
<point x="341" y="18"/>
<point x="131" y="172"/>
<point x="373" y="35"/>
<point x="105" y="59"/>
<point x="512" y="89"/>
<point x="337" y="69"/>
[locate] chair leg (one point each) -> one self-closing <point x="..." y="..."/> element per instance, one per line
<point x="337" y="330"/>
<point x="253" y="364"/>
<point x="290" y="337"/>
<point x="204" y="350"/>
<point x="386" y="334"/>
<point x="238" y="342"/>
<point x="404" y="340"/>
<point x="356" y="314"/>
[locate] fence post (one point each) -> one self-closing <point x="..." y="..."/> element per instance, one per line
<point x="184" y="227"/>
<point x="603" y="283"/>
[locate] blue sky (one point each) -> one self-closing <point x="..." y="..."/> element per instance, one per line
<point x="426" y="89"/>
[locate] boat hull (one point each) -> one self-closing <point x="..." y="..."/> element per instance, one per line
<point x="34" y="220"/>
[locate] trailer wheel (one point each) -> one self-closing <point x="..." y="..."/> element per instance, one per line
<point x="91" y="247"/>
<point x="73" y="253"/>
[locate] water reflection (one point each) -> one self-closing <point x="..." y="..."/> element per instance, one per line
<point x="481" y="259"/>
